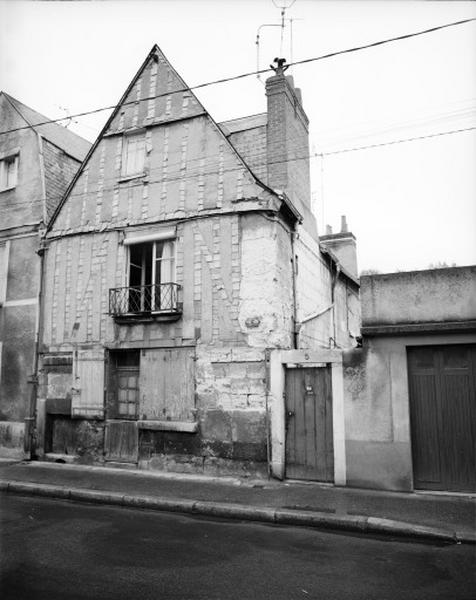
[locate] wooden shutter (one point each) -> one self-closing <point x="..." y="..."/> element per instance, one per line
<point x="88" y="390"/>
<point x="167" y="384"/>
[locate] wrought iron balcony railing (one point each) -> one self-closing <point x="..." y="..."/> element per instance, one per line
<point x="145" y="300"/>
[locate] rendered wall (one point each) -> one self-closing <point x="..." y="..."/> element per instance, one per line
<point x="419" y="296"/>
<point x="20" y="212"/>
<point x="313" y="291"/>
<point x="377" y="417"/>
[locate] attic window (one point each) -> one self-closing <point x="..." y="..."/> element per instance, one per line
<point x="8" y="172"/>
<point x="133" y="154"/>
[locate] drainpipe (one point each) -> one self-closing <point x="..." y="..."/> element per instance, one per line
<point x="267" y="354"/>
<point x="30" y="420"/>
<point x="28" y="443"/>
<point x="293" y="266"/>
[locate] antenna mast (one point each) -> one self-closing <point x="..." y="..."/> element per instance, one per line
<point x="284" y="5"/>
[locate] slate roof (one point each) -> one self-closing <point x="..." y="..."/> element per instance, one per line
<point x="69" y="142"/>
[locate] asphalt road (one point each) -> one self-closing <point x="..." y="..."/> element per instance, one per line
<point x="62" y="550"/>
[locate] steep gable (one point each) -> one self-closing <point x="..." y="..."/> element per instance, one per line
<point x="23" y="203"/>
<point x="63" y="138"/>
<point x="188" y="163"/>
<point x="49" y="157"/>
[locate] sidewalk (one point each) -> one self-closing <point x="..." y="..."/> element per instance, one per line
<point x="439" y="517"/>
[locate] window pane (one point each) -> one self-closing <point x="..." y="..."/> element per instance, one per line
<point x="165" y="262"/>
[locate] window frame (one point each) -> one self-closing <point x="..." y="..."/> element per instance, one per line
<point x="153" y="273"/>
<point x="127" y="138"/>
<point x="154" y="260"/>
<point x="12" y="157"/>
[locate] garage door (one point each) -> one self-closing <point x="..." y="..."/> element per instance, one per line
<point x="442" y="382"/>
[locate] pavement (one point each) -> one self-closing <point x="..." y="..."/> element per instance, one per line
<point x="447" y="518"/>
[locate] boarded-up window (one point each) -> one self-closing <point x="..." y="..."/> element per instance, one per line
<point x="167" y="391"/>
<point x="88" y="390"/>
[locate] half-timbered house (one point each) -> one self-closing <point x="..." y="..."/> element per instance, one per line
<point x="183" y="279"/>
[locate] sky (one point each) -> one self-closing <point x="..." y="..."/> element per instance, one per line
<point x="410" y="204"/>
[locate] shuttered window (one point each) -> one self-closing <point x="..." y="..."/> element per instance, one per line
<point x="133" y="154"/>
<point x="88" y="387"/>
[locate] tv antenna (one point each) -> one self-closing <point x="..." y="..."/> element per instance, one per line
<point x="68" y="118"/>
<point x="284" y="5"/>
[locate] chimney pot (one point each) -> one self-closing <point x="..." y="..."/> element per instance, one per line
<point x="343" y="224"/>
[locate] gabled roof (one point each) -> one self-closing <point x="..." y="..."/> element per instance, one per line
<point x="113" y="126"/>
<point x="69" y="142"/>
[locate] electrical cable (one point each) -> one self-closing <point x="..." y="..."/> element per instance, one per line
<point x="393" y="142"/>
<point x="181" y="177"/>
<point x="249" y="74"/>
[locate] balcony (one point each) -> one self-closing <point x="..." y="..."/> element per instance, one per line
<point x="155" y="302"/>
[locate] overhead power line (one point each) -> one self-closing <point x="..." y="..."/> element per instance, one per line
<point x="392" y="142"/>
<point x="113" y="184"/>
<point x="251" y="73"/>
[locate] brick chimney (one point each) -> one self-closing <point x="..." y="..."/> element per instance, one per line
<point x="343" y="245"/>
<point x="288" y="143"/>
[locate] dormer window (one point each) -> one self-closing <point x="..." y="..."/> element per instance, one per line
<point x="8" y="172"/>
<point x="133" y="154"/>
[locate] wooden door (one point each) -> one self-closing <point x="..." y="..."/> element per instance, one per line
<point x="123" y="385"/>
<point x="442" y="384"/>
<point x="309" y="434"/>
<point x="122" y="441"/>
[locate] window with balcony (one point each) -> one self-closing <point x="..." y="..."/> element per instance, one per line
<point x="8" y="172"/>
<point x="133" y="154"/>
<point x="152" y="290"/>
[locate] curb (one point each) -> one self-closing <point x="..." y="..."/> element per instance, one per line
<point x="225" y="510"/>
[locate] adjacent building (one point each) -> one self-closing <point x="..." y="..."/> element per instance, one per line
<point x="410" y="410"/>
<point x="37" y="162"/>
<point x="191" y="317"/>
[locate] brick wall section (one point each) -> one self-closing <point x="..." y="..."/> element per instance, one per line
<point x="251" y="145"/>
<point x="59" y="171"/>
<point x="288" y="146"/>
